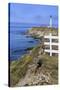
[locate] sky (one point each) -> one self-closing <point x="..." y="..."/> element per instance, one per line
<point x="33" y="13"/>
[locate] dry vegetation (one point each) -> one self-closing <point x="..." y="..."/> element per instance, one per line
<point x="19" y="68"/>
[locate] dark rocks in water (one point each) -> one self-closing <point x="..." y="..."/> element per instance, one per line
<point x="30" y="41"/>
<point x="20" y="50"/>
<point x="30" y="48"/>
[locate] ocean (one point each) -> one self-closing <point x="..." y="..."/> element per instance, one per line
<point x="19" y="42"/>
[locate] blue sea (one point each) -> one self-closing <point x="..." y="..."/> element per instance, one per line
<point x="19" y="41"/>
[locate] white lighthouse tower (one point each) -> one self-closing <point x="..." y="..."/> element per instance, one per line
<point x="50" y="21"/>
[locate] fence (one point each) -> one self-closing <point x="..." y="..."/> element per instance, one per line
<point x="50" y="44"/>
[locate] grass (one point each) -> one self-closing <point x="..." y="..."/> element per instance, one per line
<point x="43" y="28"/>
<point x="19" y="67"/>
<point x="50" y="64"/>
<point x="43" y="31"/>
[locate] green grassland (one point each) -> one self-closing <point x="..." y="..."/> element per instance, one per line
<point x="19" y="67"/>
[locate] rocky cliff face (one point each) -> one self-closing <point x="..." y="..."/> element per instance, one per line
<point x="41" y="31"/>
<point x="35" y="68"/>
<point x="40" y="72"/>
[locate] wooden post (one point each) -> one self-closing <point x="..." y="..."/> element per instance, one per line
<point x="50" y="45"/>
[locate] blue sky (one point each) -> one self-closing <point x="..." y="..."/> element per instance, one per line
<point x="35" y="14"/>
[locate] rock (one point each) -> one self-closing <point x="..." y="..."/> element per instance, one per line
<point x="26" y="85"/>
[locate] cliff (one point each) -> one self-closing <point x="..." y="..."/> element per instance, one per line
<point x="38" y="32"/>
<point x="35" y="68"/>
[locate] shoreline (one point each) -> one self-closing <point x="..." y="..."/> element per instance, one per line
<point x="20" y="68"/>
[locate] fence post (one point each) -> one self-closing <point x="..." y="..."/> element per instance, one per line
<point x="50" y="45"/>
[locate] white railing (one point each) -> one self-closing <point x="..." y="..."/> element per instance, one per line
<point x="50" y="43"/>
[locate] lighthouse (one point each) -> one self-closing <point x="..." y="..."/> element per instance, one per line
<point x="50" y="21"/>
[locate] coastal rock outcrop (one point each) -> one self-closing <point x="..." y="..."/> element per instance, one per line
<point x="37" y="32"/>
<point x="36" y="67"/>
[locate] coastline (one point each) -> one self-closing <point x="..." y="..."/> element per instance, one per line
<point x="19" y="68"/>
